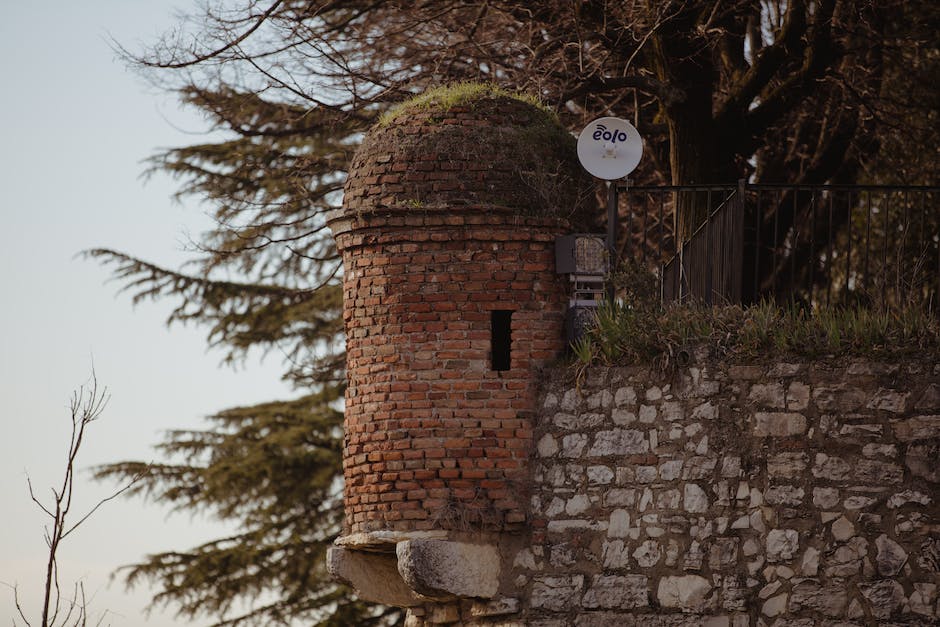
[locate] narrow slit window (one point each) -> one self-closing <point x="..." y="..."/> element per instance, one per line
<point x="501" y="339"/>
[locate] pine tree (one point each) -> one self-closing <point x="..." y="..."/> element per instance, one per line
<point x="794" y="92"/>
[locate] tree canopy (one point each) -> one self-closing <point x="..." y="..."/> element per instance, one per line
<point x="793" y="91"/>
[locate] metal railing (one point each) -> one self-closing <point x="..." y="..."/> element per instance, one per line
<point x="813" y="244"/>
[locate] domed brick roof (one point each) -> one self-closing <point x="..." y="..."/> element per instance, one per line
<point x="471" y="146"/>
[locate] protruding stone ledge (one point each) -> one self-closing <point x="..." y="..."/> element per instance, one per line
<point x="437" y="568"/>
<point x="374" y="576"/>
<point x="385" y="541"/>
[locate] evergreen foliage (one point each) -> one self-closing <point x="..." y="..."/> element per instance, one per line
<point x="273" y="467"/>
<point x="796" y="92"/>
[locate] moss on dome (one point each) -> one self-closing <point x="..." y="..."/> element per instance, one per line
<point x="444" y="98"/>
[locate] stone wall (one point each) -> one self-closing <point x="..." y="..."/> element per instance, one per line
<point x="792" y="494"/>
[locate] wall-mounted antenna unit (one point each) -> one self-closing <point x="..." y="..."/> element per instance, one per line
<point x="584" y="259"/>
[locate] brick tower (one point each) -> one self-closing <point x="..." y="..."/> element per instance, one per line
<point x="452" y="303"/>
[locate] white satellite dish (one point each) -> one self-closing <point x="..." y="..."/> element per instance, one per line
<point x="610" y="148"/>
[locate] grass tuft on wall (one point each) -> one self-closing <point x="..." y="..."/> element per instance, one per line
<point x="625" y="334"/>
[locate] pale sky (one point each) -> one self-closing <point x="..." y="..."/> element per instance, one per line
<point x="77" y="125"/>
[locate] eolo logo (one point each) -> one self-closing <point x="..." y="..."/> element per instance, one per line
<point x="614" y="136"/>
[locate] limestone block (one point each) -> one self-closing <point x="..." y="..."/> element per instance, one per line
<point x="928" y="556"/>
<point x="731" y="467"/>
<point x="672" y="552"/>
<point x="625" y="397"/>
<point x="856" y="502"/>
<point x="694" y="499"/>
<point x="617" y="592"/>
<point x="831" y="468"/>
<point x="908" y="496"/>
<point x="615" y="554"/>
<point x="693" y="557"/>
<point x="889" y="400"/>
<point x="843" y="529"/>
<point x="930" y="399"/>
<point x="884" y="597"/>
<point x="670" y="470"/>
<point x="808" y="594"/>
<point x="917" y="428"/>
<point x="862" y="430"/>
<point x="572" y="445"/>
<point x="782" y="544"/>
<point x="374" y="576"/>
<point x="767" y="395"/>
<point x="648" y="554"/>
<point x="647" y="414"/>
<point x="770" y="589"/>
<point x="774" y="606"/>
<point x="699" y="467"/>
<point x="826" y="498"/>
<point x="443" y="568"/>
<point x="784" y="369"/>
<point x="668" y="499"/>
<point x="525" y="559"/>
<point x="841" y="398"/>
<point x="578" y="504"/>
<point x="600" y="400"/>
<point x="571" y="401"/>
<point x="496" y="607"/>
<point x="705" y="411"/>
<point x="687" y="592"/>
<point x="847" y="560"/>
<point x="557" y="593"/>
<point x="921" y="459"/>
<point x="778" y="424"/>
<point x="723" y="553"/>
<point x="625" y="497"/>
<point x="622" y="417"/>
<point x="619" y="526"/>
<point x="797" y="396"/>
<point x="784" y="495"/>
<point x="880" y="450"/>
<point x="922" y="601"/>
<point x="556" y="507"/>
<point x="809" y="567"/>
<point x="547" y="446"/>
<point x="563" y="526"/>
<point x="786" y="465"/>
<point x="876" y="472"/>
<point x="619" y="442"/>
<point x="599" y="475"/>
<point x="672" y="411"/>
<point x="550" y="401"/>
<point x="735" y="595"/>
<point x="444" y="615"/>
<point x="891" y="556"/>
<point x="562" y="555"/>
<point x="646" y="474"/>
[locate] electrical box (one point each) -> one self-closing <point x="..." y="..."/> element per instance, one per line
<point x="581" y="254"/>
<point x="583" y="257"/>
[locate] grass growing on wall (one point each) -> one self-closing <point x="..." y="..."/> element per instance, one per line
<point x="448" y="96"/>
<point x="625" y="334"/>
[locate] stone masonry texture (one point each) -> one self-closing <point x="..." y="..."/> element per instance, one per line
<point x="762" y="494"/>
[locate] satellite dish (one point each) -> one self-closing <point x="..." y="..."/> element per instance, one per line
<point x="609" y="148"/>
